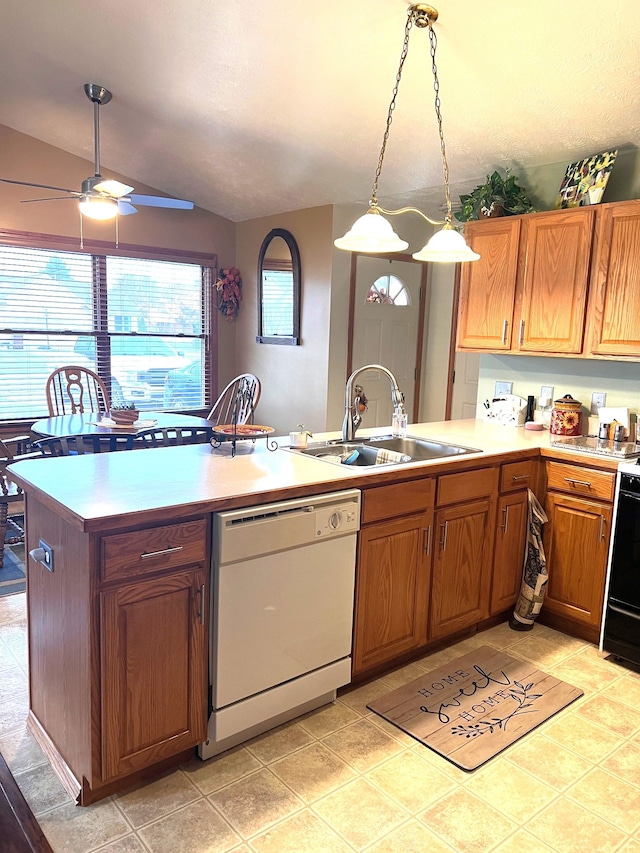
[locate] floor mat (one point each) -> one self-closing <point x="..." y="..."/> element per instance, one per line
<point x="474" y="707"/>
<point x="12" y="574"/>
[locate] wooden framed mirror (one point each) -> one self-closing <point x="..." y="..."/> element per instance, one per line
<point x="279" y="289"/>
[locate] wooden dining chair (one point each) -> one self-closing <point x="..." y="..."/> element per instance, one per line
<point x="79" y="445"/>
<point x="74" y="389"/>
<point x="238" y="401"/>
<point x="172" y="436"/>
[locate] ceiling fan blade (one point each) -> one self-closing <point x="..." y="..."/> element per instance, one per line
<point x="114" y="188"/>
<point x="53" y="198"/>
<point x="124" y="208"/>
<point x="160" y="201"/>
<point x="40" y="186"/>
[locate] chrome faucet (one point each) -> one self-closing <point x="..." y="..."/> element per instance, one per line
<point x="355" y="399"/>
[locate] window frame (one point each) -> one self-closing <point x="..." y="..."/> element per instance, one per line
<point x="99" y="250"/>
<point x="294" y="338"/>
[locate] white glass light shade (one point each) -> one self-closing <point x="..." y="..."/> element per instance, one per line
<point x="371" y="233"/>
<point x="98" y="208"/>
<point x="446" y="246"/>
<point x="114" y="188"/>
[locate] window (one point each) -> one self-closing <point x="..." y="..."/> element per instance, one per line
<point x="389" y="290"/>
<point x="142" y="324"/>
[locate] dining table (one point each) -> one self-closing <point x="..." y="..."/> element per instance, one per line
<point x="95" y="423"/>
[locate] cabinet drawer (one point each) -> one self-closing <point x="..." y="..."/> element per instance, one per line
<point x="398" y="499"/>
<point x="517" y="475"/>
<point x="466" y="486"/>
<point x="577" y="480"/>
<point x="155" y="549"/>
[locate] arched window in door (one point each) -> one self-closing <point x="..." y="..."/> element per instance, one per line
<point x="389" y="290"/>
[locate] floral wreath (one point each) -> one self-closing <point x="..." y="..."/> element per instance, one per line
<point x="229" y="287"/>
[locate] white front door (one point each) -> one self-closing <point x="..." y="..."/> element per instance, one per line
<point x="385" y="331"/>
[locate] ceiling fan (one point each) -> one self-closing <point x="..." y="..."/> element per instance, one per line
<point x="99" y="198"/>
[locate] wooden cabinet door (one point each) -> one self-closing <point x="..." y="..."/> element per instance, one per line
<point x="508" y="556"/>
<point x="392" y="589"/>
<point x="576" y="542"/>
<point x="555" y="254"/>
<point x="463" y="547"/>
<point x="153" y="648"/>
<point x="487" y="286"/>
<point x="615" y="305"/>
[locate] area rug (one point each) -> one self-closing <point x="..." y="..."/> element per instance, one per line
<point x="12" y="576"/>
<point x="474" y="707"/>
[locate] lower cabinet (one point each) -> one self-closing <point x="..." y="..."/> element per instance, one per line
<point x="153" y="665"/>
<point x="393" y="573"/>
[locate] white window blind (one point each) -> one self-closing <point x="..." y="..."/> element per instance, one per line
<point x="277" y="303"/>
<point x="139" y="323"/>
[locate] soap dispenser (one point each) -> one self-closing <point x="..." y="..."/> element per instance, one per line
<point x="399" y="422"/>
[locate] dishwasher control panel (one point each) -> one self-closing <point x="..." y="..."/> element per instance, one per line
<point x="337" y="519"/>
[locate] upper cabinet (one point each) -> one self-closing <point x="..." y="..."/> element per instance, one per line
<point x="614" y="315"/>
<point x="554" y="283"/>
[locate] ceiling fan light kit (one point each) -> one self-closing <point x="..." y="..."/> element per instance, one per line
<point x="372" y="232"/>
<point x="98" y="198"/>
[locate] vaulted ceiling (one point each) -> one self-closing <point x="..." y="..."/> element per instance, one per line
<point x="251" y="109"/>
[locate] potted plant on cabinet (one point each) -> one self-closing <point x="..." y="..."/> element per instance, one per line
<point x="124" y="414"/>
<point x="497" y="197"/>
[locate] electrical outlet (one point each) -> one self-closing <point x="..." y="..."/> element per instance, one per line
<point x="546" y="396"/>
<point x="598" y="400"/>
<point x="47" y="555"/>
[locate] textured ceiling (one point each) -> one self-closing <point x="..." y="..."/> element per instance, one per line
<point x="255" y="109"/>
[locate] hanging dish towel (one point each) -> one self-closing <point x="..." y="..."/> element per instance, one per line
<point x="534" y="577"/>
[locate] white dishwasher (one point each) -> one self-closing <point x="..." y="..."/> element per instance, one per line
<point x="282" y="609"/>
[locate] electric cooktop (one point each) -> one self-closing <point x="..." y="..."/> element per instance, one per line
<point x="599" y="446"/>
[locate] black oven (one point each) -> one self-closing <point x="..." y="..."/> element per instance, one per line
<point x="621" y="622"/>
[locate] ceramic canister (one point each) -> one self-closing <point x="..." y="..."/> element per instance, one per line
<point x="566" y="416"/>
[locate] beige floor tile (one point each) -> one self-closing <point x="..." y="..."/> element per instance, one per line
<point x="507" y="788"/>
<point x="360" y="813"/>
<point x="304" y="831"/>
<point x="467" y="823"/>
<point x="41" y="789"/>
<point x="624" y="763"/>
<point x="357" y="699"/>
<point x="524" y="842"/>
<point x="411" y="781"/>
<point x="13" y="713"/>
<point x="545" y="650"/>
<point x="278" y="742"/>
<point x="580" y="735"/>
<point x="502" y="636"/>
<point x="625" y="690"/>
<point x="75" y="830"/>
<point x="632" y="846"/>
<point x="362" y="745"/>
<point x="198" y="827"/>
<point x="402" y="676"/>
<point x="328" y="719"/>
<point x="13" y="609"/>
<point x="584" y="672"/>
<point x="209" y="776"/>
<point x="313" y="771"/>
<point x="412" y="837"/>
<point x="613" y="715"/>
<point x="548" y="761"/>
<point x="256" y="802"/>
<point x="568" y="828"/>
<point x="610" y="797"/>
<point x="129" y="844"/>
<point x="151" y="801"/>
<point x="21" y="752"/>
<point x="442" y="764"/>
<point x="391" y="730"/>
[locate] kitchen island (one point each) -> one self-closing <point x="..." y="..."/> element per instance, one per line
<point x="118" y="630"/>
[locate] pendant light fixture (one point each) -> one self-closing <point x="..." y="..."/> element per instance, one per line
<point x="372" y="232"/>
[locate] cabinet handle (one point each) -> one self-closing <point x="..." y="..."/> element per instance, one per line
<point x="577" y="482"/>
<point x="148" y="554"/>
<point x="505" y="326"/>
<point x="443" y="538"/>
<point x="427" y="543"/>
<point x="521" y="337"/>
<point x="505" y="521"/>
<point x="201" y="605"/>
<point x="519" y="477"/>
<point x="602" y="524"/>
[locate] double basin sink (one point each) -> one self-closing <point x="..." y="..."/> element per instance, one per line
<point x="383" y="450"/>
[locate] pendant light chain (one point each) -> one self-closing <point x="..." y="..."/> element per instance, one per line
<point x="433" y="40"/>
<point x="403" y="55"/>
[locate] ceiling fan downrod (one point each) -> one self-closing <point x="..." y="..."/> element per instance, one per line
<point x="99" y="96"/>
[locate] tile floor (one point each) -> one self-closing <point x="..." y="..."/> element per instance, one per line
<point x="341" y="779"/>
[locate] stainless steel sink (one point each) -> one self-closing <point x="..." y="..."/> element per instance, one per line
<point x="383" y="450"/>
